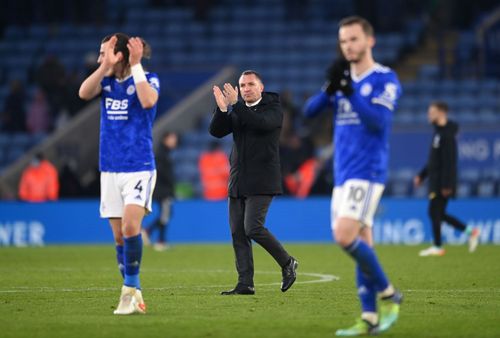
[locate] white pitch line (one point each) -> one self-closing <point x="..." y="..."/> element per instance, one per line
<point x="321" y="278"/>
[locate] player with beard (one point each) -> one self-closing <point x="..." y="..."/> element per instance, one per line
<point x="363" y="95"/>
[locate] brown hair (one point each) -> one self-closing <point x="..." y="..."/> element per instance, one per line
<point x="441" y="106"/>
<point x="121" y="46"/>
<point x="353" y="20"/>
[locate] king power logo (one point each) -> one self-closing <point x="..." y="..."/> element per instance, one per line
<point x="22" y="233"/>
<point x="414" y="231"/>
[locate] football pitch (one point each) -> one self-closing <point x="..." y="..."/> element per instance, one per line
<point x="71" y="291"/>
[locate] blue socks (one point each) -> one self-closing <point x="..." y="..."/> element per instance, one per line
<point x="366" y="291"/>
<point x="368" y="263"/>
<point x="132" y="250"/>
<point x="119" y="259"/>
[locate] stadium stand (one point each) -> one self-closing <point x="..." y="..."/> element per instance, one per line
<point x="291" y="46"/>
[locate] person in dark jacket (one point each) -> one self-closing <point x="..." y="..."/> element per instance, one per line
<point x="164" y="192"/>
<point x="441" y="171"/>
<point x="255" y="176"/>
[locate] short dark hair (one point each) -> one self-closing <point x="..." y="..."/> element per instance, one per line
<point x="250" y="72"/>
<point x="354" y="19"/>
<point x="441" y="106"/>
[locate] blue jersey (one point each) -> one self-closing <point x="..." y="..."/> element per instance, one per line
<point x="362" y="124"/>
<point x="126" y="142"/>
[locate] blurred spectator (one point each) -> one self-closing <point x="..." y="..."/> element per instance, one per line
<point x="62" y="119"/>
<point x="72" y="102"/>
<point x="90" y="63"/>
<point x="214" y="172"/>
<point x="164" y="191"/>
<point x="14" y="112"/>
<point x="298" y="165"/>
<point x="290" y="109"/>
<point x="51" y="76"/>
<point x="70" y="182"/>
<point x="91" y="183"/>
<point x="38" y="116"/>
<point x="39" y="181"/>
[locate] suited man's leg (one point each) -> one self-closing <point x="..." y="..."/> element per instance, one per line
<point x="242" y="244"/>
<point x="436" y="212"/>
<point x="451" y="220"/>
<point x="256" y="208"/>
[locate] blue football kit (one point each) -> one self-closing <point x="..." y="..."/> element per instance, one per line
<point x="361" y="138"/>
<point x="126" y="142"/>
<point x="362" y="124"/>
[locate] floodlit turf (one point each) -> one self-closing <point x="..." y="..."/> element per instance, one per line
<point x="71" y="291"/>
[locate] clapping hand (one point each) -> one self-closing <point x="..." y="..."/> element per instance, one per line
<point x="220" y="99"/>
<point x="225" y="97"/>
<point x="231" y="93"/>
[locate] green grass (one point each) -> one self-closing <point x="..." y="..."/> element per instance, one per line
<point x="71" y="291"/>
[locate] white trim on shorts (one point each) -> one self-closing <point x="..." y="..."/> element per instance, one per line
<point x="356" y="199"/>
<point x="121" y="189"/>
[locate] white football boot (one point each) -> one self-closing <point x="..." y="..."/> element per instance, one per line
<point x="432" y="251"/>
<point x="128" y="302"/>
<point x="474" y="239"/>
<point x="140" y="301"/>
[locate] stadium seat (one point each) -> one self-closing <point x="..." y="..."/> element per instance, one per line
<point x="465" y="189"/>
<point x="486" y="189"/>
<point x="429" y="72"/>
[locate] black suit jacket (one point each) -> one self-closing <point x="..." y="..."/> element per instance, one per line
<point x="255" y="161"/>
<point x="441" y="167"/>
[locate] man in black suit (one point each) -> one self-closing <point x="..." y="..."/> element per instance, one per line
<point x="255" y="176"/>
<point x="441" y="170"/>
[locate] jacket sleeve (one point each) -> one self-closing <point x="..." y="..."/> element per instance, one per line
<point x="315" y="104"/>
<point x="423" y="173"/>
<point x="270" y="119"/>
<point x="221" y="124"/>
<point x="448" y="161"/>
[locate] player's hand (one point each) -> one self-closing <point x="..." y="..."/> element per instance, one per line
<point x="338" y="77"/>
<point x="417" y="181"/>
<point x="231" y="93"/>
<point x="446" y="192"/>
<point x="220" y="99"/>
<point x="110" y="58"/>
<point x="136" y="49"/>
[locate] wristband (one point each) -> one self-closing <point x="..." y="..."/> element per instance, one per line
<point x="138" y="73"/>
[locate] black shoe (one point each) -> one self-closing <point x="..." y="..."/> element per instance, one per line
<point x="289" y="274"/>
<point x="240" y="290"/>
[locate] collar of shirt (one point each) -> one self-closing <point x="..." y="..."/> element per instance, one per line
<point x="253" y="104"/>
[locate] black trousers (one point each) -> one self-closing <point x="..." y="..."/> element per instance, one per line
<point x="161" y="223"/>
<point x="437" y="213"/>
<point x="246" y="218"/>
